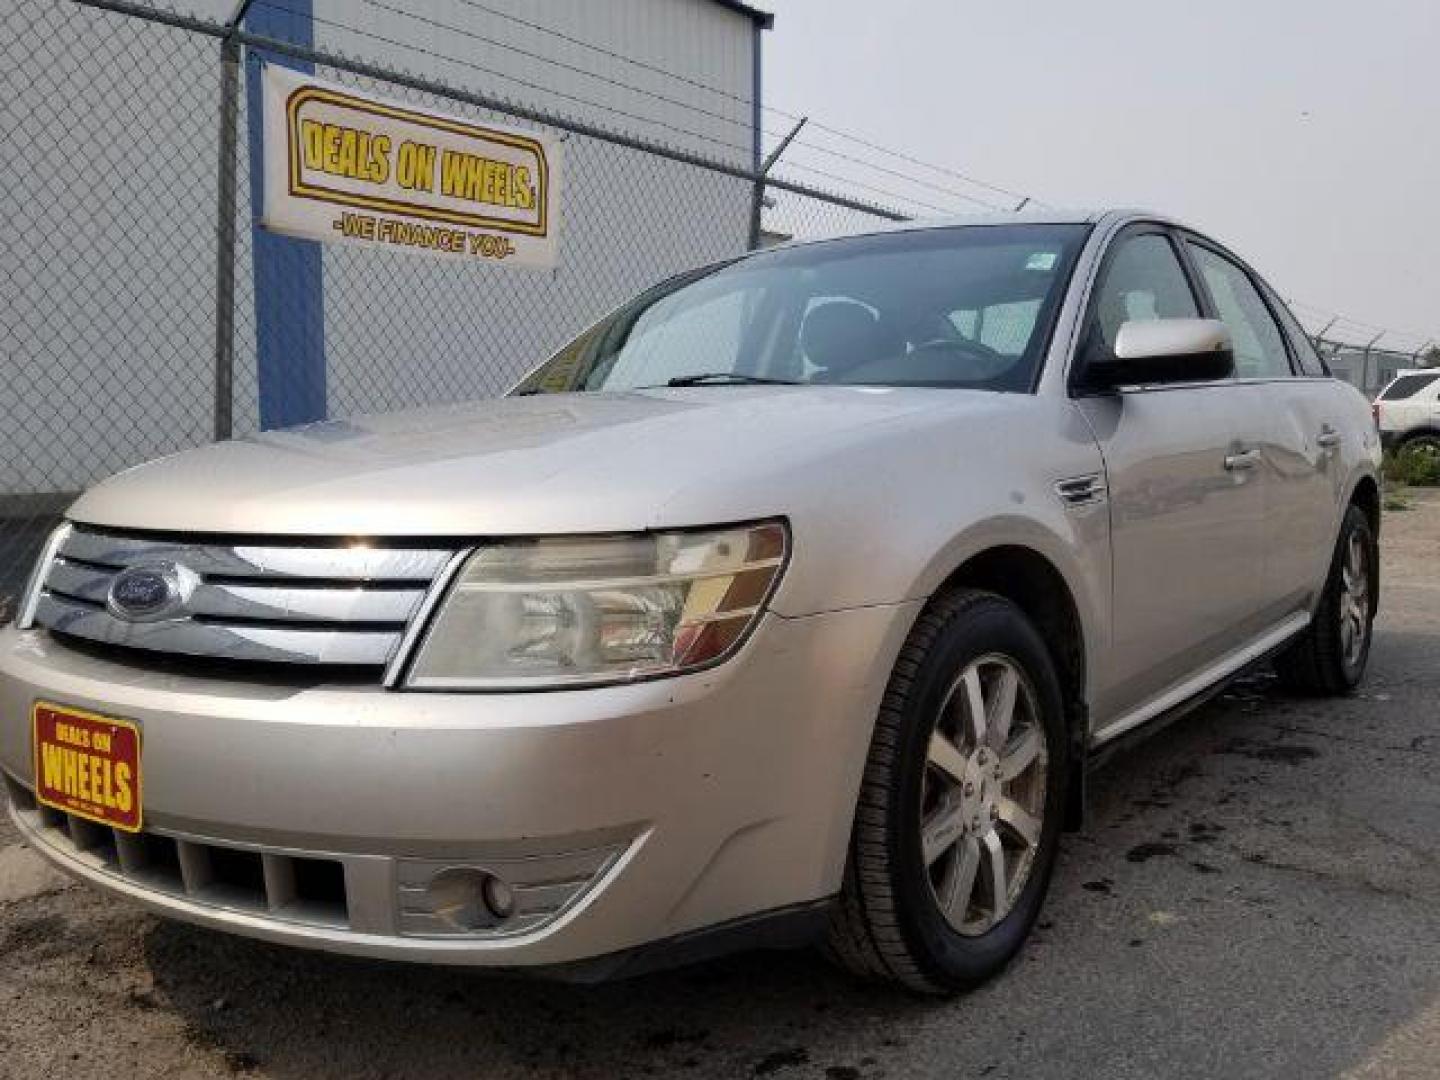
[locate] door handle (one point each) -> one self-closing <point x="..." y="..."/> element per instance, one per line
<point x="1245" y="459"/>
<point x="1328" y="439"/>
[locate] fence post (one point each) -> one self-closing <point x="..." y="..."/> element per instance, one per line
<point x="1365" y="387"/>
<point x="757" y="195"/>
<point x="225" y="226"/>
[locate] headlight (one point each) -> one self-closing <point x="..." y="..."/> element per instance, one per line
<point x="557" y="612"/>
<point x="30" y="598"/>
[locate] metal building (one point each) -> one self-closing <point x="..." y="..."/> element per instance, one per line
<point x="111" y="292"/>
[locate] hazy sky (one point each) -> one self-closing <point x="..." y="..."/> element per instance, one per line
<point x="1304" y="133"/>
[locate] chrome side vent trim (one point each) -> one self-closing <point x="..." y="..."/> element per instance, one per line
<point x="1081" y="490"/>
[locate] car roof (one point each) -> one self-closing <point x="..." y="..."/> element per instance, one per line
<point x="1047" y="216"/>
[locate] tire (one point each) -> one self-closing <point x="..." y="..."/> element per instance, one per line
<point x="889" y="922"/>
<point x="1329" y="657"/>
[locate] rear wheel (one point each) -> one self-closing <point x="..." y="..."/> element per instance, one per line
<point x="960" y="809"/>
<point x="1330" y="656"/>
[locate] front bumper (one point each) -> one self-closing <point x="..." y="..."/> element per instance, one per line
<point x="629" y="813"/>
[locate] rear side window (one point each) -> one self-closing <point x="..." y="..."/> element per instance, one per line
<point x="1260" y="351"/>
<point x="1407" y="386"/>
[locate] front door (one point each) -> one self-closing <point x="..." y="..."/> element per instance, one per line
<point x="1186" y="507"/>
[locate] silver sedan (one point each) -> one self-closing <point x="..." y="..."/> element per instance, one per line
<point x="791" y="601"/>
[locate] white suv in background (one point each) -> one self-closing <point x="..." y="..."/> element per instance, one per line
<point x="1407" y="412"/>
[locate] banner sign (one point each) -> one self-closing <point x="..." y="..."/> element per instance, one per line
<point x="348" y="167"/>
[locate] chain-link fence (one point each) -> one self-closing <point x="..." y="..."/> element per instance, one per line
<point x="142" y="302"/>
<point x="1365" y="367"/>
<point x="145" y="311"/>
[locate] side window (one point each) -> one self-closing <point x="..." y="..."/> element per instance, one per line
<point x="1305" y="351"/>
<point x="1143" y="281"/>
<point x="1407" y="386"/>
<point x="1260" y="351"/>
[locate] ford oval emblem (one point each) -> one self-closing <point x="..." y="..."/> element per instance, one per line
<point x="145" y="593"/>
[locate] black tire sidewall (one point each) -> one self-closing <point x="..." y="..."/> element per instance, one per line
<point x="951" y="959"/>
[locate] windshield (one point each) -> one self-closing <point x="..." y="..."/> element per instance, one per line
<point x="969" y="306"/>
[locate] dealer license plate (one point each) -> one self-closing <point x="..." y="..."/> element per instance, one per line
<point x="87" y="765"/>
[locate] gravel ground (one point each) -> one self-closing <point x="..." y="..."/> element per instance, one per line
<point x="1253" y="897"/>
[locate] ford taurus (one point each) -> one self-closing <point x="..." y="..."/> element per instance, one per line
<point x="791" y="601"/>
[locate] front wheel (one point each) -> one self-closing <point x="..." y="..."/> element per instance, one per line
<point x="960" y="809"/>
<point x="1329" y="657"/>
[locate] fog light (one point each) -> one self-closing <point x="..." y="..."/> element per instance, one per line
<point x="459" y="896"/>
<point x="498" y="895"/>
<point x="499" y="898"/>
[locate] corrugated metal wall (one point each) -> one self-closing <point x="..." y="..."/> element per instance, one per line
<point x="627" y="219"/>
<point x="701" y="40"/>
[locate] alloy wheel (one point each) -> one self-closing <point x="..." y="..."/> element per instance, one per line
<point x="983" y="808"/>
<point x="1354" y="600"/>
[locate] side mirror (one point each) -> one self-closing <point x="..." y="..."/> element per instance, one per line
<point x="1165" y="351"/>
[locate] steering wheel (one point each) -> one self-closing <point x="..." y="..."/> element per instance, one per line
<point x="989" y="363"/>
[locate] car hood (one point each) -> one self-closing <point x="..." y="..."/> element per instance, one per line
<point x="550" y="463"/>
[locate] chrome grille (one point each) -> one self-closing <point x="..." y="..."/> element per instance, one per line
<point x="340" y="604"/>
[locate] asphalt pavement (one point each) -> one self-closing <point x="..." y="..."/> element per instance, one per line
<point x="1255" y="895"/>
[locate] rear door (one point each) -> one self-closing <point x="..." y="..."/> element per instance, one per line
<point x="1185" y="506"/>
<point x="1296" y="422"/>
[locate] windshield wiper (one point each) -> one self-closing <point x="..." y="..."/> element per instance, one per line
<point x="723" y="378"/>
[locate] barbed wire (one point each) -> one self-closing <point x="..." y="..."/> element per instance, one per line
<point x="887" y="193"/>
<point x="750" y="103"/>
<point x="1332" y="325"/>
<point x="1370" y="333"/>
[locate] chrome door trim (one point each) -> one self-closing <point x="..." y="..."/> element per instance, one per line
<point x="1221" y="669"/>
